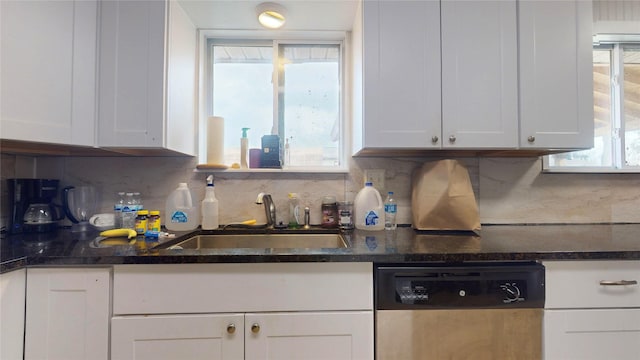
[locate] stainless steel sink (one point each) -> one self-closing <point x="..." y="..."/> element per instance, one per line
<point x="262" y="241"/>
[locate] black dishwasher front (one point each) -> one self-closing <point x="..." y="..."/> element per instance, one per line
<point x="470" y="310"/>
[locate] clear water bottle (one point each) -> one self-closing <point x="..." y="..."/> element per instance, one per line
<point x="117" y="210"/>
<point x="390" y="211"/>
<point x="294" y="211"/>
<point x="129" y="212"/>
<point x="137" y="200"/>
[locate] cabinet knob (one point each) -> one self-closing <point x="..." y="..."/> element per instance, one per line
<point x="434" y="139"/>
<point x="231" y="328"/>
<point x="452" y="138"/>
<point x="531" y="139"/>
<point x="255" y="328"/>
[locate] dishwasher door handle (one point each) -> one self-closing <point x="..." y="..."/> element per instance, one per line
<point x="618" y="282"/>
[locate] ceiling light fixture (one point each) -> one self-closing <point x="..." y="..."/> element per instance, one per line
<point x="271" y="15"/>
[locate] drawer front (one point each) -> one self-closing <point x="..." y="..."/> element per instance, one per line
<point x="592" y="334"/>
<point x="207" y="288"/>
<point x="592" y="284"/>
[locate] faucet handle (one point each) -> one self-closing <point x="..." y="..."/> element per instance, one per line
<point x="307" y="217"/>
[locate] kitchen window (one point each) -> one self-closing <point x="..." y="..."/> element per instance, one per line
<point x="616" y="101"/>
<point x="289" y="89"/>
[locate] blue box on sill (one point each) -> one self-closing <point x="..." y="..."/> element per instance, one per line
<point x="271" y="156"/>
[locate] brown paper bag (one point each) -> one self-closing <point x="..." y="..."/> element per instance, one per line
<point x="442" y="197"/>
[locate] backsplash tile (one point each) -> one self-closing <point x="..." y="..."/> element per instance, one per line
<point x="516" y="191"/>
<point x="508" y="190"/>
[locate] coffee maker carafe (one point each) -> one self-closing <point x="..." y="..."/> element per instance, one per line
<point x="32" y="207"/>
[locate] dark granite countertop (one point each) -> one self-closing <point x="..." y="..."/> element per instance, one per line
<point x="495" y="243"/>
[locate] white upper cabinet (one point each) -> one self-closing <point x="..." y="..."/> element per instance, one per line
<point x="438" y="75"/>
<point x="147" y="76"/>
<point x="48" y="67"/>
<point x="474" y="75"/>
<point x="400" y="85"/>
<point x="479" y="74"/>
<point x="556" y="74"/>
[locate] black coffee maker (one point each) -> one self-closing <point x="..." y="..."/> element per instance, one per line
<point x="32" y="207"/>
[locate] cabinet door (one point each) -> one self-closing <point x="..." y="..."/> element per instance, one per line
<point x="556" y="74"/>
<point x="479" y="74"/>
<point x="132" y="74"/>
<point x="323" y="335"/>
<point x="12" y="300"/>
<point x="67" y="313"/>
<point x="592" y="334"/>
<point x="181" y="81"/>
<point x="172" y="337"/>
<point x="48" y="62"/>
<point x="147" y="76"/>
<point x="401" y="75"/>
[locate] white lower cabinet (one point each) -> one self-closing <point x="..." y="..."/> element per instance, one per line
<point x="67" y="313"/>
<point x="203" y="336"/>
<point x="584" y="334"/>
<point x="243" y="311"/>
<point x="321" y="335"/>
<point x="592" y="310"/>
<point x="12" y="293"/>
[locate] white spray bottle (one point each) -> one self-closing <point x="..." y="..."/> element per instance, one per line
<point x="210" y="207"/>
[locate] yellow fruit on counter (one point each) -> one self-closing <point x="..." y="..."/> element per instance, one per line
<point x="235" y="166"/>
<point x="128" y="233"/>
<point x="249" y="222"/>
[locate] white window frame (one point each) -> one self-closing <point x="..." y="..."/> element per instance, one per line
<point x="242" y="37"/>
<point x="615" y="45"/>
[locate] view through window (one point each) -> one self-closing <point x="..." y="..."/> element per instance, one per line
<point x="616" y="100"/>
<point x="304" y="108"/>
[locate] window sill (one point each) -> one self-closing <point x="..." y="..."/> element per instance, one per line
<point x="589" y="170"/>
<point x="286" y="170"/>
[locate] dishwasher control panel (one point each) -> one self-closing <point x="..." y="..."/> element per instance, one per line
<point x="503" y="285"/>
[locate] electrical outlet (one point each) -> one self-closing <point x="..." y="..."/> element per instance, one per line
<point x="376" y="176"/>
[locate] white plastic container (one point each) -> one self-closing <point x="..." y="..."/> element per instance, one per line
<point x="368" y="209"/>
<point x="181" y="213"/>
<point x="210" y="207"/>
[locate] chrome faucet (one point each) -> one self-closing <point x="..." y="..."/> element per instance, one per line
<point x="307" y="218"/>
<point x="269" y="208"/>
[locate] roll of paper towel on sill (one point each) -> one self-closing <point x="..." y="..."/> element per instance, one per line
<point x="215" y="140"/>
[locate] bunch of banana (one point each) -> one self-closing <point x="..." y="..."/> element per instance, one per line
<point x="128" y="233"/>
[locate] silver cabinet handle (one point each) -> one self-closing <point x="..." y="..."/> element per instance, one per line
<point x="618" y="282"/>
<point x="434" y="139"/>
<point x="452" y="138"/>
<point x="231" y="328"/>
<point x="531" y="139"/>
<point x="255" y="328"/>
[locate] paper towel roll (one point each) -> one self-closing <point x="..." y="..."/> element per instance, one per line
<point x="215" y="140"/>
